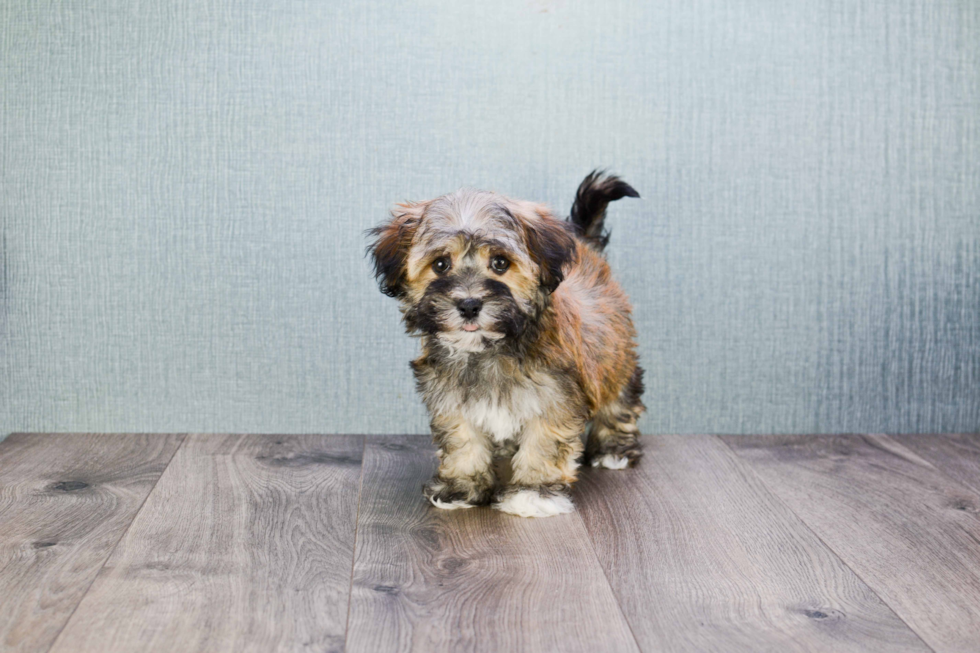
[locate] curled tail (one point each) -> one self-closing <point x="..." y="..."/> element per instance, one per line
<point x="589" y="210"/>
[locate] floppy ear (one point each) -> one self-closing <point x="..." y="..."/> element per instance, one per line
<point x="392" y="241"/>
<point x="550" y="245"/>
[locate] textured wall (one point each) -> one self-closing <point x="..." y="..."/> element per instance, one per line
<point x="185" y="184"/>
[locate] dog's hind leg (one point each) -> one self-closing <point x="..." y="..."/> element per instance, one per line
<point x="614" y="438"/>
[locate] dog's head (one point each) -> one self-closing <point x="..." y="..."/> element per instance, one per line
<point x="471" y="268"/>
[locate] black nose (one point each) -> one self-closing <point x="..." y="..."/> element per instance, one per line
<point x="470" y="308"/>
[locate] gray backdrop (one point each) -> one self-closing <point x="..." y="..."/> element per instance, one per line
<point x="185" y="184"/>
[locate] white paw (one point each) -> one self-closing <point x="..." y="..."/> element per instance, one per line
<point x="529" y="503"/>
<point x="450" y="505"/>
<point x="611" y="461"/>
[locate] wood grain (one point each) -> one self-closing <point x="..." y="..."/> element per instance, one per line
<point x="956" y="455"/>
<point x="246" y="544"/>
<point x="469" y="580"/>
<point x="703" y="558"/>
<point x="908" y="530"/>
<point x="65" y="500"/>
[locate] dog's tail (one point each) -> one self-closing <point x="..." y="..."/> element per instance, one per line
<point x="589" y="210"/>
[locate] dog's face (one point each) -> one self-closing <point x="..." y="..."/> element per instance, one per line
<point x="471" y="268"/>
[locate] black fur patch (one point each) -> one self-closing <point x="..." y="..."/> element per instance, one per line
<point x="497" y="288"/>
<point x="552" y="247"/>
<point x="389" y="264"/>
<point x="423" y="317"/>
<point x="634" y="389"/>
<point x="512" y="321"/>
<point x="589" y="209"/>
<point x="389" y="251"/>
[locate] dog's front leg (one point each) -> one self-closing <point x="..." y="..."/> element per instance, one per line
<point x="544" y="469"/>
<point x="465" y="477"/>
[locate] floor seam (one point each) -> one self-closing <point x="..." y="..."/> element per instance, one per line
<point x="357" y="521"/>
<point x="595" y="555"/>
<point x="935" y="465"/>
<point x="183" y="439"/>
<point x="750" y="469"/>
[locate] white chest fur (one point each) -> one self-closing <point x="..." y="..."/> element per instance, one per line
<point x="504" y="416"/>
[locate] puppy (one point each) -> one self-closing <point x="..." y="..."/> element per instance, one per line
<point x="526" y="340"/>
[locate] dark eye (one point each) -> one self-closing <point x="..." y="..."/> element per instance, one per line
<point x="441" y="264"/>
<point x="499" y="264"/>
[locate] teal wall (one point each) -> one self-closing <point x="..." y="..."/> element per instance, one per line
<point x="185" y="184"/>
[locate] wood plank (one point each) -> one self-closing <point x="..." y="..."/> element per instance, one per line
<point x="956" y="454"/>
<point x="246" y="544"/>
<point x="908" y="530"/>
<point x="469" y="580"/>
<point x="65" y="500"/>
<point x="704" y="558"/>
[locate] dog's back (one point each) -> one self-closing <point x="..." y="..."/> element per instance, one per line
<point x="595" y="323"/>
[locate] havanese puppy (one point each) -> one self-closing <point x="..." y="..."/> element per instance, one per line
<point x="526" y="340"/>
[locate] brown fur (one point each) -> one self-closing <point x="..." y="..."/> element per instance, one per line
<point x="550" y="348"/>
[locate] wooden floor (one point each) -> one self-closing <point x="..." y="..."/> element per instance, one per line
<point x="324" y="543"/>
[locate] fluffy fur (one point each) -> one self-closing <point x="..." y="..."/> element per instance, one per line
<point x="526" y="340"/>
